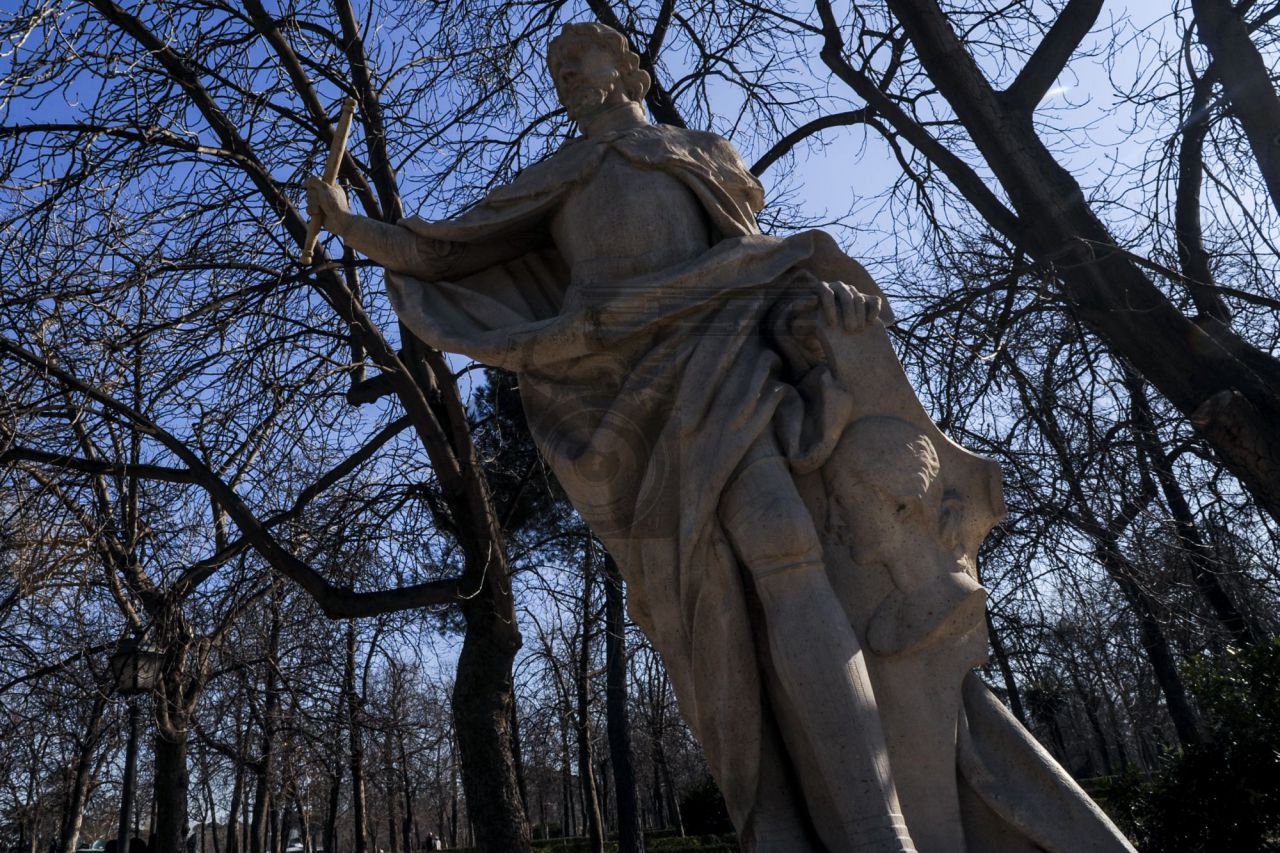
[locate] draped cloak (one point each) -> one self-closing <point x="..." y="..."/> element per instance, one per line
<point x="644" y="392"/>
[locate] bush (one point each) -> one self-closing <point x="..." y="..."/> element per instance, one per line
<point x="1222" y="794"/>
<point x="656" y="841"/>
<point x="703" y="811"/>
<point x="694" y="844"/>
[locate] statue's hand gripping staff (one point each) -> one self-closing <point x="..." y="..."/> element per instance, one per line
<point x="330" y="176"/>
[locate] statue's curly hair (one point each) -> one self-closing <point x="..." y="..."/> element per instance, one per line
<point x="635" y="80"/>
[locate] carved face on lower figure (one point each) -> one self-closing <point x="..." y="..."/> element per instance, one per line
<point x="901" y="516"/>
<point x="893" y="469"/>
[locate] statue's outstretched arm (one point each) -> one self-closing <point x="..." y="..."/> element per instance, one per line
<point x="400" y="250"/>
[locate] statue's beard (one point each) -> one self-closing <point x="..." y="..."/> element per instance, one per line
<point x="585" y="100"/>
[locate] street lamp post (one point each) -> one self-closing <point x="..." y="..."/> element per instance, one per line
<point x="135" y="669"/>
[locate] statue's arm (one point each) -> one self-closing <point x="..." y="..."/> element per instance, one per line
<point x="398" y="249"/>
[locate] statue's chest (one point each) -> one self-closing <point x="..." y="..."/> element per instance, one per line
<point x="627" y="221"/>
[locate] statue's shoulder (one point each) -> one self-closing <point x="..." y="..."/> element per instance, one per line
<point x="703" y="140"/>
<point x="669" y="140"/>
<point x="700" y="155"/>
<point x="562" y="167"/>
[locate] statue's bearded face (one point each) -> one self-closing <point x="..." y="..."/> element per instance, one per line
<point x="589" y="81"/>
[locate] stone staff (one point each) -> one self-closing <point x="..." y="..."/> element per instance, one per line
<point x="336" y="149"/>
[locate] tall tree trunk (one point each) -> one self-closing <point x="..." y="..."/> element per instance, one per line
<point x="1045" y="703"/>
<point x="582" y="690"/>
<point x="408" y="824"/>
<point x="542" y="807"/>
<point x="246" y="821"/>
<point x="130" y="781"/>
<point x="517" y="756"/>
<point x="260" y="839"/>
<point x="81" y="778"/>
<point x="334" y="767"/>
<point x="1246" y="80"/>
<point x="669" y="800"/>
<point x="453" y="812"/>
<point x="212" y="822"/>
<point x="331" y="810"/>
<point x="180" y="685"/>
<point x="630" y="839"/>
<point x="1122" y="748"/>
<point x="171" y="790"/>
<point x="567" y="810"/>
<point x="482" y="699"/>
<point x="1200" y="558"/>
<point x="237" y="792"/>
<point x="359" y="809"/>
<point x="655" y="695"/>
<point x="603" y="777"/>
<point x="1107" y="550"/>
<point x="392" y="802"/>
<point x="304" y="823"/>
<point x="1089" y="706"/>
<point x="1154" y="642"/>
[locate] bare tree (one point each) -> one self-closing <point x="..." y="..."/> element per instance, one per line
<point x="186" y="408"/>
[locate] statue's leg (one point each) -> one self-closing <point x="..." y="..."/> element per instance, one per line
<point x="778" y="824"/>
<point x="815" y="655"/>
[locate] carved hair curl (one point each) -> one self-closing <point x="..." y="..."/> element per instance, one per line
<point x="576" y="37"/>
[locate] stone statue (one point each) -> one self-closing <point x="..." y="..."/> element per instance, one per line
<point x="725" y="411"/>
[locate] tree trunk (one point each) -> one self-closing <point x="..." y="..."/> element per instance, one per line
<point x="212" y="822"/>
<point x="517" y="756"/>
<point x="1200" y="558"/>
<point x="304" y="823"/>
<point x="246" y="822"/>
<point x="1246" y="80"/>
<point x="392" y="802"/>
<point x="1122" y="749"/>
<point x="408" y="824"/>
<point x="453" y="813"/>
<point x="1089" y="706"/>
<point x="81" y="777"/>
<point x="482" y="699"/>
<point x="233" y="811"/>
<point x="171" y="791"/>
<point x="567" y="810"/>
<point x="582" y="689"/>
<point x="669" y="800"/>
<point x="259" y="837"/>
<point x="1107" y="550"/>
<point x="603" y="778"/>
<point x="130" y="780"/>
<point x="630" y="839"/>
<point x="1154" y="642"/>
<point x="359" y="810"/>
<point x="331" y="811"/>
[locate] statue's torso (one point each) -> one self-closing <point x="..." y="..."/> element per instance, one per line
<point x="625" y="221"/>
